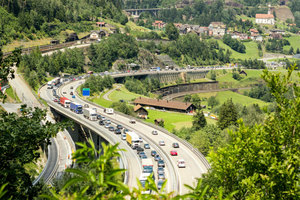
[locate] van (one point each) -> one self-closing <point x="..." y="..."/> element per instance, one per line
<point x="123" y="136"/>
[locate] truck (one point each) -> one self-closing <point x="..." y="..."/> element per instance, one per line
<point x="109" y="110"/>
<point x="76" y="107"/>
<point x="90" y="114"/>
<point x="132" y="139"/>
<point x="147" y="165"/>
<point x="65" y="102"/>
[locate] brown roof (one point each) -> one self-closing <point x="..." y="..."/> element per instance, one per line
<point x="253" y="30"/>
<point x="163" y="103"/>
<point x="137" y="107"/>
<point x="264" y="16"/>
<point x="100" y="22"/>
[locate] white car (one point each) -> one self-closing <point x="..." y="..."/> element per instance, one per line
<point x="180" y="163"/>
<point x="154" y="132"/>
<point x="161" y="143"/>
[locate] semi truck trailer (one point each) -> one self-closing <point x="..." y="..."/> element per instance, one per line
<point x="90" y="114"/>
<point x="65" y="102"/>
<point x="76" y="107"/>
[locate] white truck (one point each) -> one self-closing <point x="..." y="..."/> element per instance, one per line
<point x="109" y="110"/>
<point x="147" y="165"/>
<point x="90" y="114"/>
<point x="132" y="139"/>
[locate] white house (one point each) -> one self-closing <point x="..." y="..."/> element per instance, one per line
<point x="265" y="19"/>
<point x="217" y="29"/>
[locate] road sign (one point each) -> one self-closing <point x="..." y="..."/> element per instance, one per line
<point x="86" y="92"/>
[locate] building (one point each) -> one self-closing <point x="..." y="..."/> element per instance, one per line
<point x="277" y="31"/>
<point x="158" y="24"/>
<point x="141" y="112"/>
<point x="96" y="35"/>
<point x="217" y="29"/>
<point x="265" y="19"/>
<point x="100" y="24"/>
<point x="165" y="104"/>
<point x="253" y="31"/>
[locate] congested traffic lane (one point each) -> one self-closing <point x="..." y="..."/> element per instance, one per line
<point x="129" y="157"/>
<point x="194" y="166"/>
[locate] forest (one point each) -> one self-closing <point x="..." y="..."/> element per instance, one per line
<point x="33" y="19"/>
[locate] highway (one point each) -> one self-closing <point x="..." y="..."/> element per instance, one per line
<point x="177" y="177"/>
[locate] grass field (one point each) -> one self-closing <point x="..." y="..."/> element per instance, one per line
<point x="294" y="41"/>
<point x="251" y="50"/>
<point x="12" y="95"/>
<point x="226" y="80"/>
<point x="123" y="94"/>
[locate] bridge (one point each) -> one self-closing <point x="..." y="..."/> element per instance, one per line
<point x="137" y="12"/>
<point x="196" y="163"/>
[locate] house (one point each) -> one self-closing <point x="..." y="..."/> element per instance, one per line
<point x="178" y="25"/>
<point x="158" y="24"/>
<point x="141" y="112"/>
<point x="238" y="35"/>
<point x="217" y="29"/>
<point x="165" y="104"/>
<point x="265" y="19"/>
<point x="100" y="24"/>
<point x="253" y="31"/>
<point x="276" y="36"/>
<point x="96" y="35"/>
<point x="258" y="38"/>
<point x="277" y="31"/>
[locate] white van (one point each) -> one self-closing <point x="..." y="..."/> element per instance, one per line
<point x="109" y="110"/>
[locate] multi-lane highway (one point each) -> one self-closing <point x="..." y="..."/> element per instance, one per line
<point x="177" y="177"/>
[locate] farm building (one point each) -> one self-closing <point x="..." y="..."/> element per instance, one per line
<point x="141" y="112"/>
<point x="165" y="104"/>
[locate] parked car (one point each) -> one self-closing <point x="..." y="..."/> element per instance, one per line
<point x="173" y="153"/>
<point x="146" y="146"/>
<point x="153" y="153"/>
<point x="154" y="132"/>
<point x="159" y="184"/>
<point x="161" y="143"/>
<point x="161" y="163"/>
<point x="175" y="145"/>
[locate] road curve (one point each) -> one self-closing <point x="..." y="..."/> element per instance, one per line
<point x="196" y="166"/>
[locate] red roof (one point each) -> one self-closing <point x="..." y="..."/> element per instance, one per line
<point x="158" y="22"/>
<point x="163" y="103"/>
<point x="100" y="23"/>
<point x="253" y="30"/>
<point x="264" y="16"/>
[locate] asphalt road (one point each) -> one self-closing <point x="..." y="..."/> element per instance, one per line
<point x="194" y="166"/>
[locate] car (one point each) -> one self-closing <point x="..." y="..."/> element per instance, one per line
<point x="55" y="100"/>
<point x="73" y="96"/>
<point x="132" y="121"/>
<point x="157" y="157"/>
<point x="71" y="88"/>
<point x="119" y="126"/>
<point x="107" y="126"/>
<point x="108" y="121"/>
<point x="146" y="146"/>
<point x="141" y="140"/>
<point x="161" y="163"/>
<point x="173" y="153"/>
<point x="99" y="117"/>
<point x="180" y="163"/>
<point x="143" y="156"/>
<point x="125" y="130"/>
<point x="139" y="149"/>
<point x="86" y="106"/>
<point x="141" y="153"/>
<point x="123" y="136"/>
<point x="103" y="118"/>
<point x="160" y="170"/>
<point x="117" y="131"/>
<point x="64" y="92"/>
<point x="161" y="143"/>
<point x="71" y="93"/>
<point x="101" y="122"/>
<point x="161" y="175"/>
<point x="153" y="153"/>
<point x="175" y="145"/>
<point x="111" y="128"/>
<point x="159" y="184"/>
<point x="154" y="132"/>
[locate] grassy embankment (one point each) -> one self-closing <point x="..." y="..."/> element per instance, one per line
<point x="294" y="41"/>
<point x="12" y="96"/>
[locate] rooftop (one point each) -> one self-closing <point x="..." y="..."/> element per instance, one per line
<point x="264" y="16"/>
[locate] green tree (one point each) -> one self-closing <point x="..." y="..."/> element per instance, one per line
<point x="199" y="120"/>
<point x="212" y="101"/>
<point x="20" y="139"/>
<point x="172" y="32"/>
<point x="196" y="101"/>
<point x="187" y="98"/>
<point x="228" y="115"/>
<point x="263" y="162"/>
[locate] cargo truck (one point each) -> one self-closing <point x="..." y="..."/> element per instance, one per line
<point x="132" y="139"/>
<point x="90" y="114"/>
<point x="147" y="165"/>
<point x="76" y="107"/>
<point x="65" y="102"/>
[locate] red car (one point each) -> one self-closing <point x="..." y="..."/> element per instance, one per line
<point x="173" y="153"/>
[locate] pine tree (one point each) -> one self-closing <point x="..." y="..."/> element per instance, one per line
<point x="228" y="115"/>
<point x="199" y="120"/>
